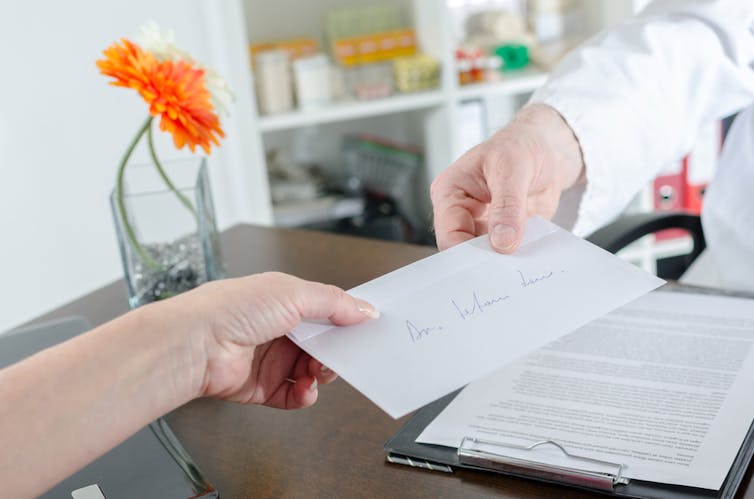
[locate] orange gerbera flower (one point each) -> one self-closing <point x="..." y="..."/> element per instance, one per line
<point x="174" y="90"/>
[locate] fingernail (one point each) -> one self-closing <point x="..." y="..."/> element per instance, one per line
<point x="313" y="387"/>
<point x="324" y="369"/>
<point x="503" y="237"/>
<point x="367" y="308"/>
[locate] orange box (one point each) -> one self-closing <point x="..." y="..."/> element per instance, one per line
<point x="375" y="47"/>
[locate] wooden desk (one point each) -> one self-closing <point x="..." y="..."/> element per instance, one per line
<point x="333" y="449"/>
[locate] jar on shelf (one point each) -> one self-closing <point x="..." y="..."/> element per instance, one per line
<point x="312" y="81"/>
<point x="470" y="65"/>
<point x="478" y="68"/>
<point x="464" y="71"/>
<point x="370" y="81"/>
<point x="273" y="81"/>
<point x="493" y="66"/>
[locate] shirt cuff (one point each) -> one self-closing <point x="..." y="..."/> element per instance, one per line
<point x="601" y="201"/>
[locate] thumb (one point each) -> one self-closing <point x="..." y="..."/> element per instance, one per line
<point x="323" y="301"/>
<point x="507" y="211"/>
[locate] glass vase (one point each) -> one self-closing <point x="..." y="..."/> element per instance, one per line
<point x="166" y="230"/>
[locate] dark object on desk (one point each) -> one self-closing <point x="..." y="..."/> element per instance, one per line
<point x="150" y="464"/>
<point x="629" y="228"/>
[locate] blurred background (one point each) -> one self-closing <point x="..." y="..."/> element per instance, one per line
<point x="345" y="111"/>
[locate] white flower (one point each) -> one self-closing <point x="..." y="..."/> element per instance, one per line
<point x="162" y="45"/>
<point x="222" y="95"/>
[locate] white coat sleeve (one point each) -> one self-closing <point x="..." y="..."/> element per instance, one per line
<point x="637" y="95"/>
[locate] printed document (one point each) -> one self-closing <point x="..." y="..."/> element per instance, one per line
<point x="463" y="313"/>
<point x="661" y="385"/>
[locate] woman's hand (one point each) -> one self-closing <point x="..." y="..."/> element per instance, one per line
<point x="520" y="171"/>
<point x="224" y="339"/>
<point x="243" y="323"/>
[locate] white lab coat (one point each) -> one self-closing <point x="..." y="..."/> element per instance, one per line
<point x="636" y="97"/>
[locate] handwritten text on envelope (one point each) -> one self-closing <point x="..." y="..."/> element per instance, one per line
<point x="460" y="314"/>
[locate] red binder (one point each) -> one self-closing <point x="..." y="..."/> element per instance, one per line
<point x="681" y="186"/>
<point x="670" y="195"/>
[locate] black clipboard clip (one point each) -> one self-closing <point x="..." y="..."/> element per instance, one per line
<point x="476" y="452"/>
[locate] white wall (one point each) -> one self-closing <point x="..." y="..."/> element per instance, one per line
<point x="63" y="130"/>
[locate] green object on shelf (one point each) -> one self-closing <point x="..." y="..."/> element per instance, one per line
<point x="513" y="56"/>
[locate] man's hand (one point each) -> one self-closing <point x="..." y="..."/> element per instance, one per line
<point x="520" y="171"/>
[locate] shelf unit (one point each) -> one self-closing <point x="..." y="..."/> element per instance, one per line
<point x="513" y="83"/>
<point x="351" y="110"/>
<point x="434" y="115"/>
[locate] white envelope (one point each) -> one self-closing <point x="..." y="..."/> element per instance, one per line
<point x="458" y="315"/>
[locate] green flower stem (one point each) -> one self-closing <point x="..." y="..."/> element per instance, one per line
<point x="121" y="201"/>
<point x="181" y="197"/>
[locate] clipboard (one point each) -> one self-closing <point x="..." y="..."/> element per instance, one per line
<point x="586" y="473"/>
<point x="151" y="463"/>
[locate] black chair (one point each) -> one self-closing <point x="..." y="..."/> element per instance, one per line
<point x="628" y="228"/>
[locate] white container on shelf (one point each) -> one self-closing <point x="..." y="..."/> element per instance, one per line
<point x="554" y="20"/>
<point x="274" y="85"/>
<point x="313" y="81"/>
